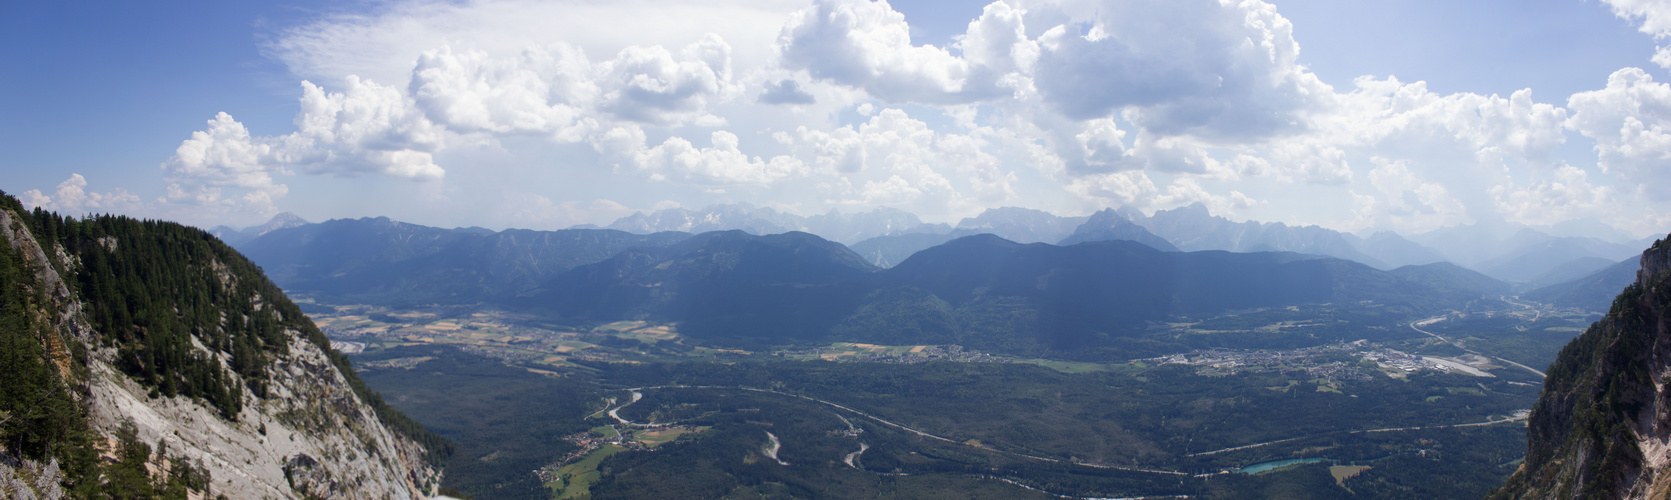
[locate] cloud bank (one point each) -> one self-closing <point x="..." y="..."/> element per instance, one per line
<point x="1066" y="104"/>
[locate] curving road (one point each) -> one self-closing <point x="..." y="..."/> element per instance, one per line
<point x="1516" y="418"/>
<point x="1414" y="326"/>
<point x="1538" y="313"/>
<point x="638" y="394"/>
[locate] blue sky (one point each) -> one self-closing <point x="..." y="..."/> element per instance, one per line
<point x="1350" y="114"/>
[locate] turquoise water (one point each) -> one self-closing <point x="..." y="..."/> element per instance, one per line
<point x="1269" y="466"/>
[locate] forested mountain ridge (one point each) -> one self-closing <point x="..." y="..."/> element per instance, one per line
<point x="381" y="261"/>
<point x="1593" y="292"/>
<point x="833" y="225"/>
<point x="162" y="340"/>
<point x="1602" y="428"/>
<point x="717" y="282"/>
<point x="1193" y="228"/>
<point x="1448" y="275"/>
<point x="981" y="291"/>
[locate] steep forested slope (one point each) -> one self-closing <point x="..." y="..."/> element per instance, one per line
<point x="1602" y="428"/>
<point x="159" y="337"/>
<point x="1594" y="292"/>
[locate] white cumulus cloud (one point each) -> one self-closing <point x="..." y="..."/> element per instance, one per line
<point x="868" y="44"/>
<point x="1148" y="103"/>
<point x="542" y="91"/>
<point x="72" y="198"/>
<point x="895" y="155"/>
<point x="1655" y="19"/>
<point x="651" y="85"/>
<point x="1630" y="120"/>
<point x="678" y="159"/>
<point x="1201" y="67"/>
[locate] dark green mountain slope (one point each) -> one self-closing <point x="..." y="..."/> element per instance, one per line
<point x="381" y="261"/>
<point x="1592" y="293"/>
<point x="1573" y="269"/>
<point x="1102" y="295"/>
<point x="980" y="291"/>
<point x="1148" y="283"/>
<point x="890" y="250"/>
<point x="1599" y="430"/>
<point x="720" y="284"/>
<point x="1445" y="275"/>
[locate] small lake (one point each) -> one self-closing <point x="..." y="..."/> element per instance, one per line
<point x="1269" y="466"/>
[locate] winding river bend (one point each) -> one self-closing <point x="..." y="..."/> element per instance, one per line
<point x="852" y="458"/>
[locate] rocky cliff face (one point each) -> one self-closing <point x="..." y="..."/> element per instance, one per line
<point x="307" y="431"/>
<point x="1602" y="428"/>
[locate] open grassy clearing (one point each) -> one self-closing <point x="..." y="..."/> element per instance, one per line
<point x="575" y="480"/>
<point x="656" y="437"/>
<point x="1343" y="472"/>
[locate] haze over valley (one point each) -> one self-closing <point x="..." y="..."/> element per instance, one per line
<point x="1088" y="249"/>
<point x="744" y="316"/>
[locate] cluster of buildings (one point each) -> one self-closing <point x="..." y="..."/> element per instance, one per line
<point x="878" y="354"/>
<point x="501" y="354"/>
<point x="1401" y="361"/>
<point x="1337" y="362"/>
<point x="587" y="441"/>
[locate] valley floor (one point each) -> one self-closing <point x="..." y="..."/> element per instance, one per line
<point x="634" y="410"/>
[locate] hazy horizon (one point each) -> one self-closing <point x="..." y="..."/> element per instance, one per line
<point x="506" y="114"/>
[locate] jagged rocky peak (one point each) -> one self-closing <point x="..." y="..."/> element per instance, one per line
<point x="741" y="216"/>
<point x="833" y="225"/>
<point x="235" y="237"/>
<point x="1654" y="261"/>
<point x="281" y="221"/>
<point x="1111" y="225"/>
<point x="1024" y="225"/>
<point x="1602" y="428"/>
<point x="229" y="392"/>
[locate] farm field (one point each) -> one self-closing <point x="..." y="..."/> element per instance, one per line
<point x="1429" y="402"/>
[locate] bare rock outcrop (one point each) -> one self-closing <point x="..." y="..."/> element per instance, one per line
<point x="309" y="435"/>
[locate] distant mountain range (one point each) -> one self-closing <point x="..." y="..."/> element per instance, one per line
<point x="237" y="237"/>
<point x="1193" y="228"/>
<point x="382" y="261"/>
<point x="1020" y="225"/>
<point x="1094" y="294"/>
<point x="845" y="228"/>
<point x="1189" y="228"/>
<point x="981" y="291"/>
<point x="1023" y="225"/>
<point x="1593" y="292"/>
<point x="1500" y="245"/>
<point x="1109" y="225"/>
